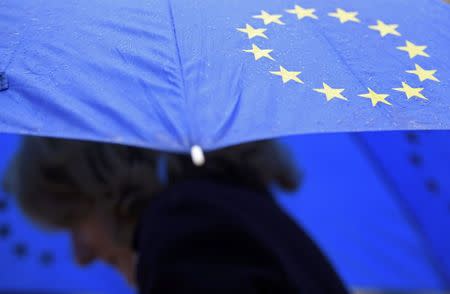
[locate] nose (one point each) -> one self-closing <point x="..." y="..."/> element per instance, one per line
<point x="83" y="253"/>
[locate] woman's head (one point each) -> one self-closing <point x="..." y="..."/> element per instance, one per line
<point x="94" y="190"/>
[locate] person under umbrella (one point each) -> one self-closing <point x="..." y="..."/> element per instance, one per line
<point x="214" y="229"/>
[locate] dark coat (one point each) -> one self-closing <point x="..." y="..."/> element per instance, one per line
<point x="210" y="237"/>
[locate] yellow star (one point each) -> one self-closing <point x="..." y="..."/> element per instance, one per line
<point x="287" y="75"/>
<point x="414" y="50"/>
<point x="302" y="12"/>
<point x="424" y="74"/>
<point x="260" y="53"/>
<point x="385" y="29"/>
<point x="331" y="93"/>
<point x="410" y="91"/>
<point x="376" y="98"/>
<point x="270" y="18"/>
<point x="252" y="32"/>
<point x="345" y="16"/>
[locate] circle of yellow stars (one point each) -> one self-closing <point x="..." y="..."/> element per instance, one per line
<point x="343" y="16"/>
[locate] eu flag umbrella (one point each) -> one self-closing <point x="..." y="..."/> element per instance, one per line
<point x="175" y="74"/>
<point x="379" y="205"/>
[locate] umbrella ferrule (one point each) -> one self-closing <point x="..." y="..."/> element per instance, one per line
<point x="198" y="156"/>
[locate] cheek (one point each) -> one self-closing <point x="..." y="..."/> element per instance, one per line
<point x="94" y="235"/>
<point x="84" y="253"/>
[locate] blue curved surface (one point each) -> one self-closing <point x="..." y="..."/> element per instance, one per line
<point x="158" y="73"/>
<point x="368" y="206"/>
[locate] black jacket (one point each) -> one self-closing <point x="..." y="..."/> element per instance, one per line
<point x="211" y="237"/>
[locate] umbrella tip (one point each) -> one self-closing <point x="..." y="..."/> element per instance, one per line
<point x="198" y="156"/>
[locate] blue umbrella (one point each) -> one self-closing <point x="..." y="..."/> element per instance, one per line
<point x="176" y="74"/>
<point x="379" y="205"/>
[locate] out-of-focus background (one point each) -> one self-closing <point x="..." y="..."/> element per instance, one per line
<point x="378" y="204"/>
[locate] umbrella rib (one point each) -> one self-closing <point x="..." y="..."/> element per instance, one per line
<point x="188" y="112"/>
<point x="339" y="55"/>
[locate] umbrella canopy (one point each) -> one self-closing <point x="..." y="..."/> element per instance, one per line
<point x="378" y="204"/>
<point x="174" y="74"/>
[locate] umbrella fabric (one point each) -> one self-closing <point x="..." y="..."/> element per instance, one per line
<point x="378" y="204"/>
<point x="173" y="74"/>
<point x="417" y="171"/>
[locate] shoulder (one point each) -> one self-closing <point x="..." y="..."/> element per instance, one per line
<point x="206" y="222"/>
<point x="202" y="228"/>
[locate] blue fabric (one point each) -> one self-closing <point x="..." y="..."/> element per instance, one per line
<point x="172" y="74"/>
<point x="367" y="205"/>
<point x="417" y="172"/>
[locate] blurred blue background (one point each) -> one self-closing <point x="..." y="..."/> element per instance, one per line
<point x="378" y="204"/>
